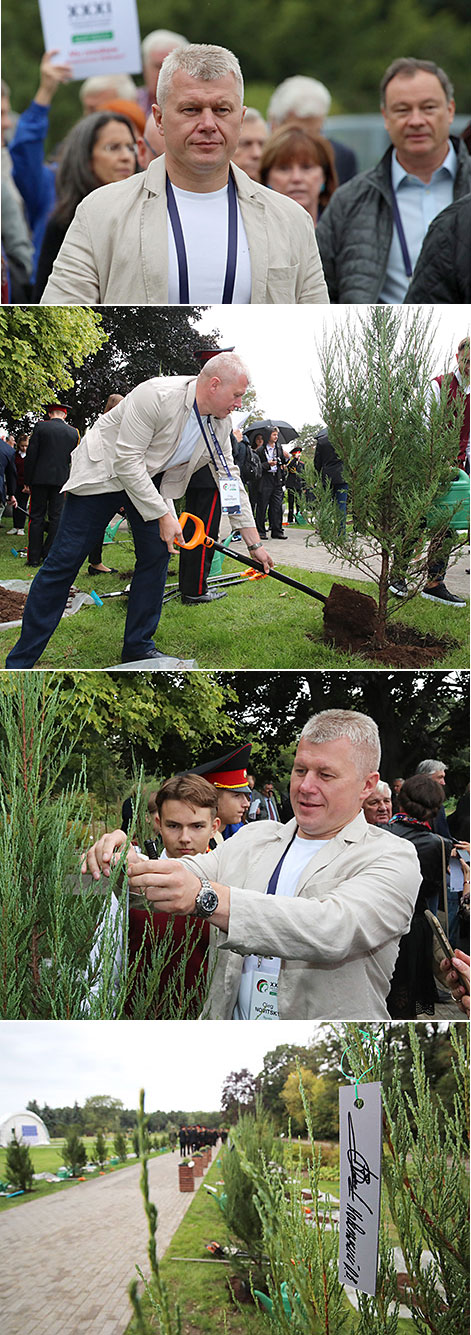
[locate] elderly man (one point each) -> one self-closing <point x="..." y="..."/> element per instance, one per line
<point x="142" y="454"/>
<point x="377" y="806"/>
<point x="308" y="915"/>
<point x="306" y="102"/>
<point x="192" y="228"/>
<point x="154" y="48"/>
<point x="371" y="233"/>
<point x="253" y="135"/>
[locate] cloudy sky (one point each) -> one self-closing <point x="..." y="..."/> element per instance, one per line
<point x="279" y="345"/>
<point x="179" y="1064"/>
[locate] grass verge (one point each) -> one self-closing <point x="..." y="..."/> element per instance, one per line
<point x="262" y="625"/>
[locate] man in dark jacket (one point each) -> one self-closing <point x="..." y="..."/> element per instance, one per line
<point x="328" y="464"/>
<point x="47" y="467"/>
<point x="443" y="269"/>
<point x="371" y="232"/>
<point x="7" y="474"/>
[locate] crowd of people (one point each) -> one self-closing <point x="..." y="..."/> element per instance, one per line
<point x="170" y="193"/>
<point x="316" y="909"/>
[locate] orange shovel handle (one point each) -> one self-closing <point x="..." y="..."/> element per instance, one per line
<point x="199" y="538"/>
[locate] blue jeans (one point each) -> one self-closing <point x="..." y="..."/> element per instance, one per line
<point x="83" y="517"/>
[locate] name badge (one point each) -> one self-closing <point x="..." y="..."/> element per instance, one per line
<point x="360" y="1186"/>
<point x="263" y="996"/>
<point x="229" y="490"/>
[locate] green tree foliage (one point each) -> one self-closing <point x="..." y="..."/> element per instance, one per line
<point x="63" y="942"/>
<point x="101" y="1113"/>
<point x="397" y="452"/>
<point x="19" y="1165"/>
<point x="74" y="1152"/>
<point x="426" y="1184"/>
<point x="39" y="346"/>
<point x="100" y="1153"/>
<point x="141" y="342"/>
<point x="238" y="1093"/>
<point x="253" y="1146"/>
<point x="321" y="1096"/>
<point x="418" y="714"/>
<point x="120" y="1146"/>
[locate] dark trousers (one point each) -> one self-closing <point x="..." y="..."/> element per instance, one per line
<point x="47" y="504"/>
<point x="195" y="565"/>
<point x="270" y="494"/>
<point x="82" y="518"/>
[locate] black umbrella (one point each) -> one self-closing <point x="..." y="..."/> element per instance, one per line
<point x="286" y="431"/>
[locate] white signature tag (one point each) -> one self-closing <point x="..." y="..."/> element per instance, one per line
<point x="360" y="1185"/>
<point x="263" y="996"/>
<point x="230" y="495"/>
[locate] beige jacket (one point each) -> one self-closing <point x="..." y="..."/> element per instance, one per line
<point x="128" y="446"/>
<point x="116" y="250"/>
<point x="338" y="938"/>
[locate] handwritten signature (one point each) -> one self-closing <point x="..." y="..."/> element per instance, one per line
<point x="360" y="1171"/>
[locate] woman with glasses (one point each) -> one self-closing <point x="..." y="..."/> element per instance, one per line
<point x="98" y="150"/>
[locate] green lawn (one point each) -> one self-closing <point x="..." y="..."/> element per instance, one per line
<point x="261" y="625"/>
<point x="47" y="1159"/>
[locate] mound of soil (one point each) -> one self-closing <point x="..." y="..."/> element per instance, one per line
<point x="11" y="605"/>
<point x="351" y="624"/>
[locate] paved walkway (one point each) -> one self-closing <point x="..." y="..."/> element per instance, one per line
<point x="314" y="557"/>
<point x="66" y="1260"/>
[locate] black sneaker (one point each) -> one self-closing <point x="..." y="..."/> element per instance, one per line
<point x="399" y="588"/>
<point x="439" y="593"/>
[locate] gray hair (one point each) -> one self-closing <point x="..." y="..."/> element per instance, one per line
<point x="223" y="365"/>
<point x="361" y="731"/>
<point x="200" y="61"/>
<point x="430" y="767"/>
<point x="251" y="114"/>
<point x="408" y="65"/>
<point x="383" y="789"/>
<point x="121" y="84"/>
<point x="299" y="96"/>
<point x="159" y="39"/>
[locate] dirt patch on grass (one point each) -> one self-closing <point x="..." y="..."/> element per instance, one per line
<point x="11" y="604"/>
<point x="351" y="623"/>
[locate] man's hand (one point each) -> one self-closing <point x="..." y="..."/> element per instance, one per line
<point x="102" y="856"/>
<point x="170" y="530"/>
<point x="457" y="977"/>
<point x="250" y="536"/>
<point x="50" y="78"/>
<point x="166" y="884"/>
<point x="172" y="888"/>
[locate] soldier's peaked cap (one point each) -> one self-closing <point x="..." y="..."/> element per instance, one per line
<point x="228" y="771"/>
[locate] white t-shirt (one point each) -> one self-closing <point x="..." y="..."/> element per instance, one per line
<point x="190" y="435"/>
<point x="204" y="221"/>
<point x="297" y="857"/>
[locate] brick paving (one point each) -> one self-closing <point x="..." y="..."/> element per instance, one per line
<point x="315" y="558"/>
<point x="66" y="1261"/>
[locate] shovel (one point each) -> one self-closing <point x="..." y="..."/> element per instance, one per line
<point x="350" y="618"/>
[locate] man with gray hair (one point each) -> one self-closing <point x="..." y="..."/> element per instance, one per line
<point x="253" y="135"/>
<point x="377" y="806"/>
<point x="142" y="454"/>
<point x="154" y="48"/>
<point x="306" y="102"/>
<point x="193" y="227"/>
<point x="371" y="233"/>
<point x="307" y="916"/>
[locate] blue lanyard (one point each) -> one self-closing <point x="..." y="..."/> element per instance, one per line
<point x="214" y="438"/>
<point x="275" y="876"/>
<point x="401" y="233"/>
<point x="231" y="263"/>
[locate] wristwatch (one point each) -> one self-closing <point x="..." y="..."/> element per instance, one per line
<point x="206" y="901"/>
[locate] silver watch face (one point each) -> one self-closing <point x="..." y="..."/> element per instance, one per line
<point x="206" y="901"/>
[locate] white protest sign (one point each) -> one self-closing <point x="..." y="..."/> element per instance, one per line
<point x="360" y="1185"/>
<point x="93" y="36"/>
